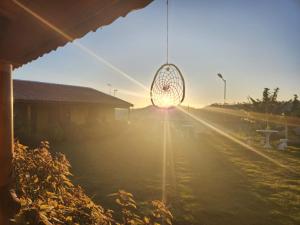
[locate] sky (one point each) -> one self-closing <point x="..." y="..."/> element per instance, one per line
<point x="253" y="44"/>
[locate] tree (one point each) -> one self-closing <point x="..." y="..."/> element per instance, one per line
<point x="268" y="101"/>
<point x="295" y="106"/>
<point x="295" y="100"/>
<point x="275" y="95"/>
<point x="275" y="107"/>
<point x="266" y="95"/>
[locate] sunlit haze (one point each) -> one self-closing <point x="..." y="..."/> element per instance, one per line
<point x="254" y="44"/>
<point x="204" y="127"/>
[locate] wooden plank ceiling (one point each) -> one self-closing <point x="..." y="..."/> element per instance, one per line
<point x="24" y="37"/>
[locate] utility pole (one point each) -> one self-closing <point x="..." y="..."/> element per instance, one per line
<point x="109" y="88"/>
<point x="115" y="91"/>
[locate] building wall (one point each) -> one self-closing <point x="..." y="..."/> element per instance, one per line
<point x="105" y="114"/>
<point x="42" y="118"/>
<point x="22" y="117"/>
<point x="78" y="114"/>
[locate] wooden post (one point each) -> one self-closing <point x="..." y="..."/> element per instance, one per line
<point x="6" y="124"/>
<point x="8" y="201"/>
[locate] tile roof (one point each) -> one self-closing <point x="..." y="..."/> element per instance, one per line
<point x="32" y="91"/>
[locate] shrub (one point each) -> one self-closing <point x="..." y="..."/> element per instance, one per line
<point x="48" y="196"/>
<point x="130" y="214"/>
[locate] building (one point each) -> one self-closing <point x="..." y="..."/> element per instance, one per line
<point x="48" y="109"/>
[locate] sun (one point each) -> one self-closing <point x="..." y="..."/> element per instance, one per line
<point x="166" y="101"/>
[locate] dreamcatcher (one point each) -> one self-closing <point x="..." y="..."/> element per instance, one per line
<point x="168" y="87"/>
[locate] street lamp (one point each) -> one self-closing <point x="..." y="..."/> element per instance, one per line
<point x="220" y="76"/>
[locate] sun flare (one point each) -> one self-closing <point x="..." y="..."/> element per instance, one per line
<point x="166" y="102"/>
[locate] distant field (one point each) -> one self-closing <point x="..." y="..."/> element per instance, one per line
<point x="210" y="180"/>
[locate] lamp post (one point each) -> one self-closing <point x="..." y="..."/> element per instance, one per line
<point x="220" y="76"/>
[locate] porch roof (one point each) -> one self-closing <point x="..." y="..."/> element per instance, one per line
<point x="24" y="37"/>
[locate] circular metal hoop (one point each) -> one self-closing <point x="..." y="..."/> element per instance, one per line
<point x="168" y="87"/>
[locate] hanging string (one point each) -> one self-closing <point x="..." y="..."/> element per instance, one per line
<point x="167" y="31"/>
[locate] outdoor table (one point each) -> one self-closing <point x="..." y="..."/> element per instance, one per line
<point x="267" y="133"/>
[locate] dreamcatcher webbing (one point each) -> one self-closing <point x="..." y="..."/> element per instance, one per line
<point x="168" y="86"/>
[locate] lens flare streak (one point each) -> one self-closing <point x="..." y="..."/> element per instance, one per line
<point x="164" y="158"/>
<point x="237" y="141"/>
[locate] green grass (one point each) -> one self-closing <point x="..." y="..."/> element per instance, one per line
<point x="210" y="180"/>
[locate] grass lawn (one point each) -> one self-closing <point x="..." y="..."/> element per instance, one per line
<point x="210" y="180"/>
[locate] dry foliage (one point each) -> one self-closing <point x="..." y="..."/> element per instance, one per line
<point x="130" y="214"/>
<point x="48" y="196"/>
